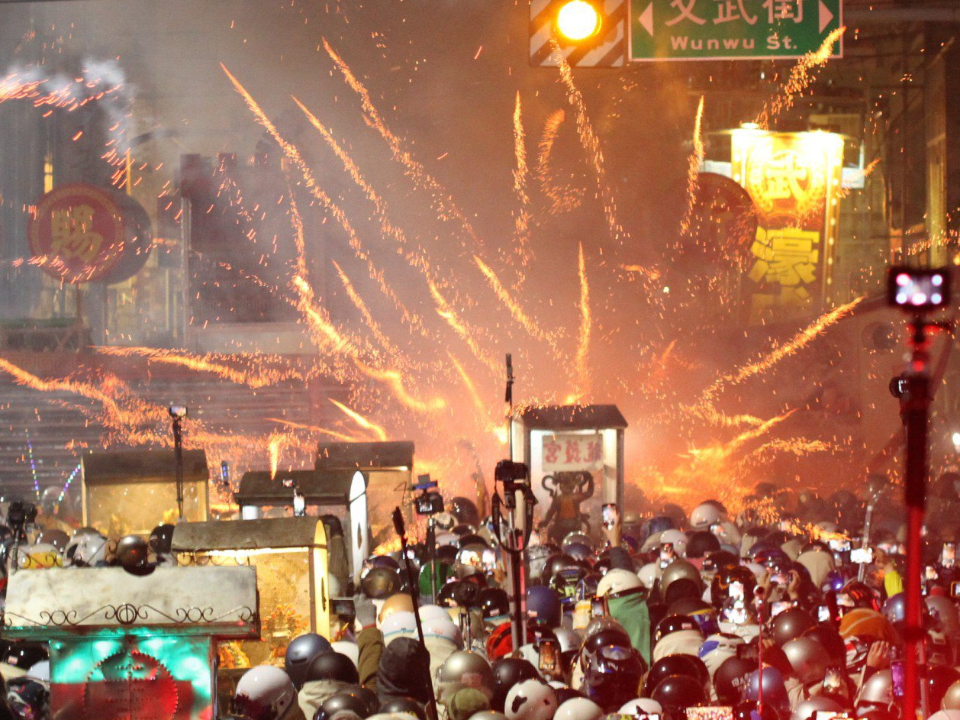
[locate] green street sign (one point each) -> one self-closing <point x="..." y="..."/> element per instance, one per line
<point x="731" y="29"/>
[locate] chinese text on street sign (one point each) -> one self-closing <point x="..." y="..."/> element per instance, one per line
<point x="731" y="29"/>
<point x="572" y="451"/>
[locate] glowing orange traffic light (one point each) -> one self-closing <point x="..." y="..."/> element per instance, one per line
<point x="578" y="20"/>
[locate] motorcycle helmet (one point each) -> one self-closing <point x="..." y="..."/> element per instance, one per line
<point x="530" y="700"/>
<point x="543" y="606"/>
<point x="808" y="659"/>
<point x="302" y="651"/>
<point x="611" y="672"/>
<point x="790" y="624"/>
<point x="677" y="693"/>
<point x="507" y="672"/>
<point x="332" y="666"/>
<point x="264" y="692"/>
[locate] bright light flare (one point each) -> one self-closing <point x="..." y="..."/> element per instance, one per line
<point x="578" y="20"/>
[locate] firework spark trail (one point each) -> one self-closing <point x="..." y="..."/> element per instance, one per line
<point x="844" y="192"/>
<point x="563" y="198"/>
<point x="446" y="311"/>
<point x="318" y="430"/>
<point x="260" y="376"/>
<point x="275" y="446"/>
<point x="797" y="342"/>
<point x="515" y="310"/>
<point x="468" y="382"/>
<point x="361" y="420"/>
<point x="328" y="336"/>
<point x="416" y="257"/>
<point x="801" y="76"/>
<point x="368" y="318"/>
<point x="292" y="154"/>
<point x="442" y="201"/>
<point x="110" y="393"/>
<point x="520" y="176"/>
<point x="693" y="171"/>
<point x="591" y="143"/>
<point x="586" y="326"/>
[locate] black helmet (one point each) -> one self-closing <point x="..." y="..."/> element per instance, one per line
<point x="161" y="539"/>
<point x="701" y="543"/>
<point x="332" y="666"/>
<point x="565" y="582"/>
<point x="380" y="582"/>
<point x="832" y="642"/>
<point x="748" y="711"/>
<point x="465" y="511"/>
<point x="790" y="624"/>
<point x="678" y="692"/>
<point x="132" y="552"/>
<point x="555" y="563"/>
<point x="346" y="702"/>
<point x="611" y="674"/>
<point x="301" y="652"/>
<point x="675" y="623"/>
<point x="404" y="705"/>
<point x="939" y="679"/>
<point x="507" y="672"/>
<point x="675" y="665"/>
<point x="731" y="679"/>
<point x="608" y="636"/>
<point x="493" y="603"/>
<point x="28" y="698"/>
<point x="25" y="655"/>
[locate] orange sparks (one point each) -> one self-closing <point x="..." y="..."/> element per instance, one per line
<point x="442" y="201"/>
<point x="292" y="154"/>
<point x="447" y="312"/>
<point x="591" y="143"/>
<point x="797" y="342"/>
<point x="515" y="310"/>
<point x="693" y="171"/>
<point x="365" y="312"/>
<point x="361" y="420"/>
<point x="563" y="198"/>
<point x="522" y="220"/>
<point x="800" y="79"/>
<point x="586" y="324"/>
<point x="275" y="445"/>
<point x="315" y="429"/>
<point x="396" y="383"/>
<point x="468" y="382"/>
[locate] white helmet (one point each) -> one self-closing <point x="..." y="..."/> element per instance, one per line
<point x="350" y="649"/>
<point x="649" y="574"/>
<point x="640" y="706"/>
<point x="617" y="581"/>
<point x="91" y="550"/>
<point x="530" y="653"/>
<point x="448" y="538"/>
<point x="399" y="624"/>
<point x="432" y="612"/>
<point x="441" y="628"/>
<point x="265" y="692"/>
<point x="40" y="671"/>
<point x="704" y="515"/>
<point x="579" y="708"/>
<point x="652" y="541"/>
<point x="676" y="538"/>
<point x="531" y="700"/>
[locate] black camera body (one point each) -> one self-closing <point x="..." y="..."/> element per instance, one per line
<point x="19" y="515"/>
<point x="429" y="503"/>
<point x="508" y="471"/>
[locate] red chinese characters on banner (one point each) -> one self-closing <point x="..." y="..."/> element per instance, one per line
<point x="571" y="451"/>
<point x="82" y="233"/>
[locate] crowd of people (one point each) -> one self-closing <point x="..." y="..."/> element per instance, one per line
<point x="786" y="611"/>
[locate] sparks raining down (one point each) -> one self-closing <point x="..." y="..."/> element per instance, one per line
<point x="693" y="170"/>
<point x="275" y="447"/>
<point x="801" y="76"/>
<point x="362" y="421"/>
<point x="442" y="202"/>
<point x="586" y="325"/>
<point x="315" y="430"/>
<point x="591" y="144"/>
<point x="796" y="343"/>
<point x="368" y="318"/>
<point x="563" y="198"/>
<point x="520" y="174"/>
<point x="515" y="310"/>
<point x="446" y="311"/>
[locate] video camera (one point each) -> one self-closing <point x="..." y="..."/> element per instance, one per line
<point x="429" y="501"/>
<point x="19" y="515"/>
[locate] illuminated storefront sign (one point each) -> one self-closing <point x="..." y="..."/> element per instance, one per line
<point x="572" y="451"/>
<point x="794" y="182"/>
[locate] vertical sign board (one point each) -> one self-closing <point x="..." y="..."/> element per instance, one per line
<point x="794" y="182"/>
<point x="731" y="29"/>
<point x="572" y="452"/>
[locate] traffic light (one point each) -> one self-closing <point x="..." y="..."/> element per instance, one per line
<point x="590" y="33"/>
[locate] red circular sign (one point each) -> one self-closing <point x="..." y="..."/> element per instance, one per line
<point x="82" y="233"/>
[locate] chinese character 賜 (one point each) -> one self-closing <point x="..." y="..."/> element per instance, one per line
<point x="685" y="8"/>
<point x="732" y="10"/>
<point x="72" y="233"/>
<point x="784" y="10"/>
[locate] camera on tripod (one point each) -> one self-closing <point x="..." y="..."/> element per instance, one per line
<point x="429" y="501"/>
<point x="19" y="515"/>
